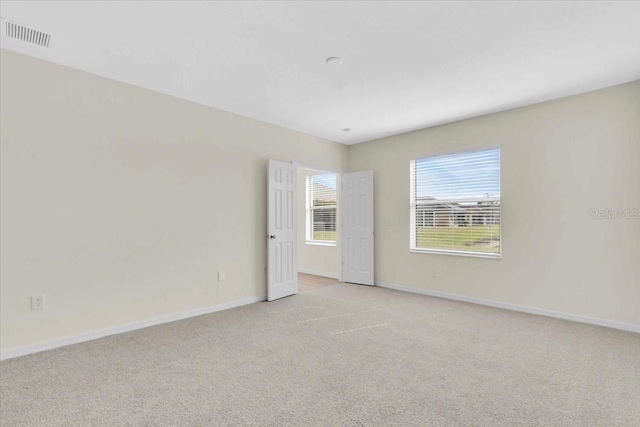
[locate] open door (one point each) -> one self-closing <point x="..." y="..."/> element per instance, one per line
<point x="357" y="227"/>
<point x="281" y="228"/>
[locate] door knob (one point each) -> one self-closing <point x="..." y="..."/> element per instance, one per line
<point x="272" y="236"/>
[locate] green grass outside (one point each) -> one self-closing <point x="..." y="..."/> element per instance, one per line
<point x="324" y="236"/>
<point x="477" y="238"/>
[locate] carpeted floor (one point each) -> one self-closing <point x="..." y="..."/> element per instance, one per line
<point x="341" y="355"/>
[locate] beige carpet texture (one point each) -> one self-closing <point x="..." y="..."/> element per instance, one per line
<point x="340" y="355"/>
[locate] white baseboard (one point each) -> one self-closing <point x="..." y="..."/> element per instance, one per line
<point x="514" y="307"/>
<point x="61" y="342"/>
<point x="319" y="273"/>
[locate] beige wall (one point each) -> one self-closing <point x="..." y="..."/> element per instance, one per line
<point x="120" y="204"/>
<point x="560" y="159"/>
<point x="314" y="259"/>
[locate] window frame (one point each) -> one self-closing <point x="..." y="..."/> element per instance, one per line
<point x="310" y="209"/>
<point x="412" y="210"/>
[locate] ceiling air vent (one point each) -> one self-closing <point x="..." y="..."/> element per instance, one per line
<point x="26" y="34"/>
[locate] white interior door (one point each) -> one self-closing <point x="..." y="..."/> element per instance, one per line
<point x="281" y="219"/>
<point x="357" y="227"/>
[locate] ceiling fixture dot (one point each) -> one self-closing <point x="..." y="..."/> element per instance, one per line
<point x="333" y="60"/>
<point x="346" y="130"/>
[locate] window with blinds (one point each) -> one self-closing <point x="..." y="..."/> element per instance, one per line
<point x="455" y="203"/>
<point x="321" y="208"/>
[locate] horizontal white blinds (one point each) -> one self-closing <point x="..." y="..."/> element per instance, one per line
<point x="321" y="215"/>
<point x="455" y="202"/>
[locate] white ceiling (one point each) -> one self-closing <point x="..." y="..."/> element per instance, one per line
<point x="405" y="65"/>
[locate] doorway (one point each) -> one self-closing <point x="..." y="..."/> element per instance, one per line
<point x="317" y="216"/>
<point x="306" y="229"/>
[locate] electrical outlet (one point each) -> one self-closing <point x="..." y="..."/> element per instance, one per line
<point x="37" y="302"/>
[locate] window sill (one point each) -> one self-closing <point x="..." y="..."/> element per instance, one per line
<point x="320" y="243"/>
<point x="458" y="253"/>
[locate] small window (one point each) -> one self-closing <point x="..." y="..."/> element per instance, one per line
<point x="455" y="203"/>
<point x="321" y="208"/>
